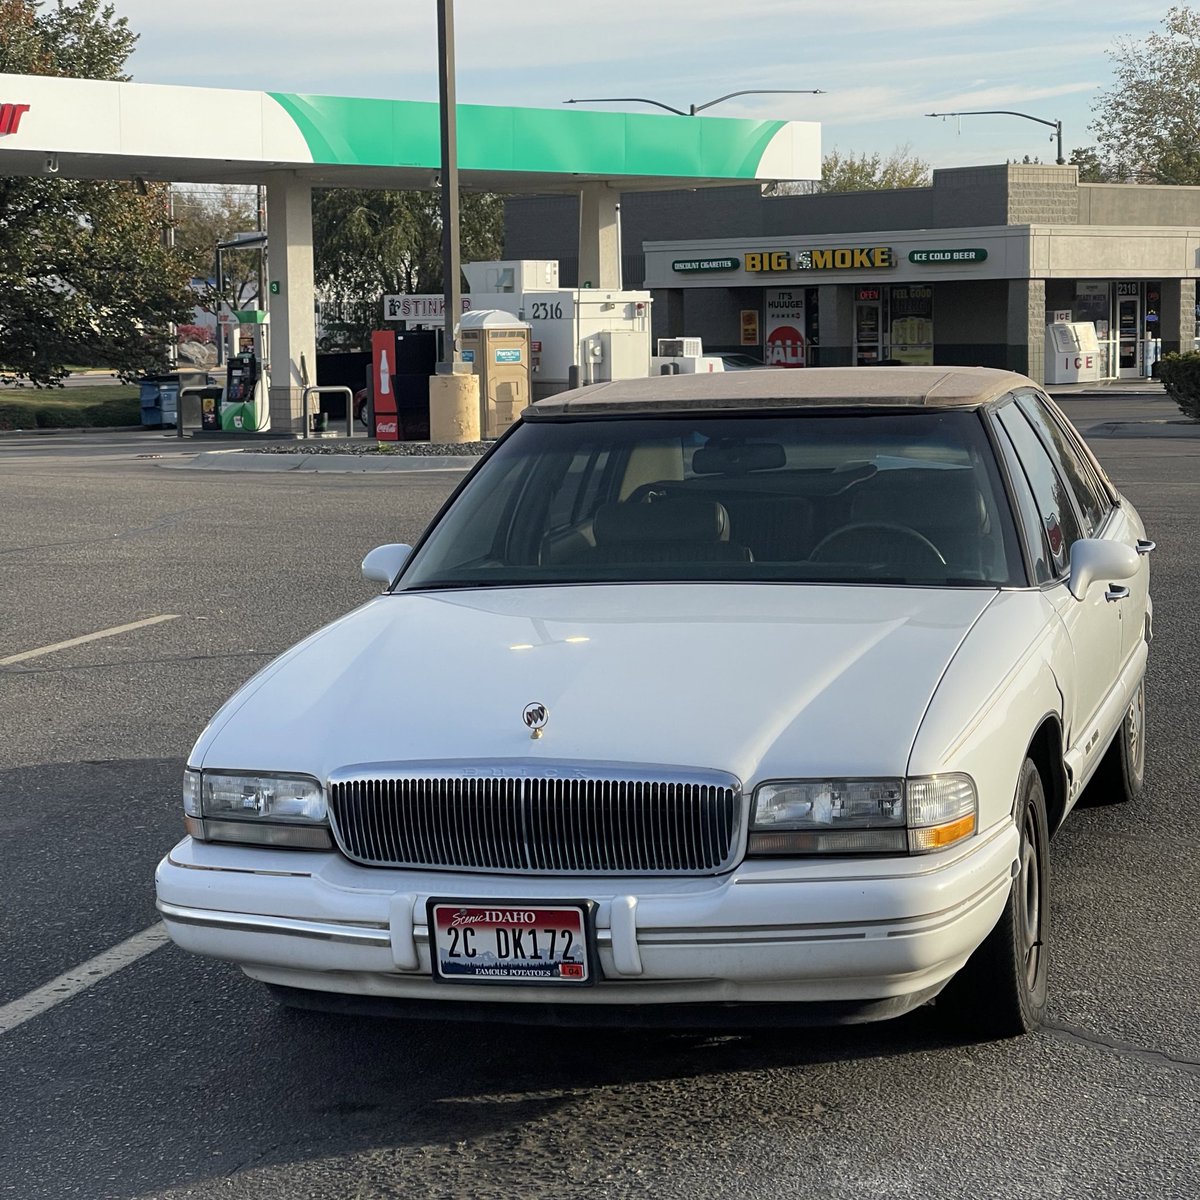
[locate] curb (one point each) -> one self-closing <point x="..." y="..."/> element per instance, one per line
<point x="73" y="429"/>
<point x="1144" y="429"/>
<point x="320" y="464"/>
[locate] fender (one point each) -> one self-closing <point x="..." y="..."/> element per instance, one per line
<point x="993" y="697"/>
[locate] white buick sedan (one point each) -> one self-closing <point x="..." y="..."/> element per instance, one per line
<point x="704" y="698"/>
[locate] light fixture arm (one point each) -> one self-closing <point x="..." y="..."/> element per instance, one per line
<point x="625" y="100"/>
<point x="693" y="109"/>
<point x="1008" y="112"/>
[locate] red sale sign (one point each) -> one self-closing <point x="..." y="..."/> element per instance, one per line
<point x="785" y="347"/>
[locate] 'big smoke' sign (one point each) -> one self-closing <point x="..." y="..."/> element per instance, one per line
<point x="783" y="344"/>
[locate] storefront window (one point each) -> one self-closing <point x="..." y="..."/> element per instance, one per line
<point x="910" y="328"/>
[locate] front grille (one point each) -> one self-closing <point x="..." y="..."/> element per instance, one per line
<point x="553" y="820"/>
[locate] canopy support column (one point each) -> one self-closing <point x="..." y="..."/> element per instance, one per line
<point x="293" y="328"/>
<point x="599" y="237"/>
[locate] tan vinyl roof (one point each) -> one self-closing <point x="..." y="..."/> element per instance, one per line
<point x="909" y="387"/>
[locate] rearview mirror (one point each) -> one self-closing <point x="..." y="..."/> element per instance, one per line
<point x="738" y="458"/>
<point x="1095" y="559"/>
<point x="383" y="563"/>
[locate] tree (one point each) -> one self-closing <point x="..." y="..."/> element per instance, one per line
<point x="1148" y="123"/>
<point x="206" y="215"/>
<point x="845" y="171"/>
<point x="86" y="274"/>
<point x="368" y="244"/>
<point x="1091" y="166"/>
<point x="851" y="172"/>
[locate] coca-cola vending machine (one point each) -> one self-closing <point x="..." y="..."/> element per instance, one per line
<point x="383" y="366"/>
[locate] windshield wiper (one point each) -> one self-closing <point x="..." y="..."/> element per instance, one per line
<point x="452" y="585"/>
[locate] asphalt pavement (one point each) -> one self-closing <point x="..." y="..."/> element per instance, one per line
<point x="171" y="1076"/>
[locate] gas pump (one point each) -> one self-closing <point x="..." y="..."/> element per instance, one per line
<point x="244" y="401"/>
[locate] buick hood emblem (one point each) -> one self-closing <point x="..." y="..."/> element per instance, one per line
<point x="535" y="717"/>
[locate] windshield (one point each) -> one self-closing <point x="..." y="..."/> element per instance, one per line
<point x="892" y="498"/>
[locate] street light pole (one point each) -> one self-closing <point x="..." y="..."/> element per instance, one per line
<point x="693" y="109"/>
<point x="451" y="290"/>
<point x="1005" y="112"/>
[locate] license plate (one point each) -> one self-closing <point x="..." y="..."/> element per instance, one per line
<point x="511" y="942"/>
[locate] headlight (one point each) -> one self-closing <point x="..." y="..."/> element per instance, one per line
<point x="266" y="810"/>
<point x="862" y="816"/>
<point x="829" y="816"/>
<point x="942" y="810"/>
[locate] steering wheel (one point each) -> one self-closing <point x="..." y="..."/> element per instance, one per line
<point x="915" y="549"/>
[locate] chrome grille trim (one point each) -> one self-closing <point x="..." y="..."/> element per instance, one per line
<point x="532" y="816"/>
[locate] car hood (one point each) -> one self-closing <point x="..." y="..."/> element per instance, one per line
<point x="762" y="681"/>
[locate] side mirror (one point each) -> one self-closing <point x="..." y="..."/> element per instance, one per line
<point x="1095" y="559"/>
<point x="383" y="564"/>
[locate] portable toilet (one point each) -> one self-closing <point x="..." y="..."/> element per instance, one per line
<point x="497" y="345"/>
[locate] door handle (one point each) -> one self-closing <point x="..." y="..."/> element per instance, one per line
<point x="1116" y="591"/>
<point x="1144" y="546"/>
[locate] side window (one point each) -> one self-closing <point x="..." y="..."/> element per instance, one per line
<point x="1027" y="509"/>
<point x="1050" y="493"/>
<point x="576" y="495"/>
<point x="1092" y="504"/>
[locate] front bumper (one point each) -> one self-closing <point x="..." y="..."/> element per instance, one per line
<point x="772" y="931"/>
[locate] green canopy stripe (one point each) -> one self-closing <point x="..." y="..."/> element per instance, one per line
<point x="362" y="132"/>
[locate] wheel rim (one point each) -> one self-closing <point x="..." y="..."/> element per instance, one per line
<point x="1029" y="884"/>
<point x="1134" y="731"/>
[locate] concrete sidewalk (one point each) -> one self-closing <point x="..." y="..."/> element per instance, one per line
<point x="1107" y="387"/>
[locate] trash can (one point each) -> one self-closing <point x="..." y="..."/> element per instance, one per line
<point x="157" y="393"/>
<point x="209" y="402"/>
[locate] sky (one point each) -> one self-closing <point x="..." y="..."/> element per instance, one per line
<point x="882" y="64"/>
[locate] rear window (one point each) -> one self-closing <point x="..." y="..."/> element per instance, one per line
<point x="908" y="498"/>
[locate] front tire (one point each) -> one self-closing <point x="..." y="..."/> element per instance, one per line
<point x="1122" y="772"/>
<point x="1001" y="992"/>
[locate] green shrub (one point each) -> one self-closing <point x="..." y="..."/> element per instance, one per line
<point x="66" y="409"/>
<point x="1180" y="375"/>
<point x="124" y="411"/>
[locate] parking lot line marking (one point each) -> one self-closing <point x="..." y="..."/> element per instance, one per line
<point x="87" y="637"/>
<point x="82" y="977"/>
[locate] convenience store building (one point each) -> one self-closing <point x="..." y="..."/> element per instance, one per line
<point x="968" y="271"/>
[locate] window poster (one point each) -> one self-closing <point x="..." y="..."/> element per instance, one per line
<point x="783" y="311"/>
<point x="910" y="332"/>
<point x="1091" y="303"/>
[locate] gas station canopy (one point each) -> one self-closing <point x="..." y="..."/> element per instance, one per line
<point x="93" y="129"/>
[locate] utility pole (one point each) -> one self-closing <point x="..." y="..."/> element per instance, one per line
<point x="260" y="224"/>
<point x="451" y="289"/>
<point x="455" y="415"/>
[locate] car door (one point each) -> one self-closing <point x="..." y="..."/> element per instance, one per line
<point x="1094" y="623"/>
<point x="1102" y="518"/>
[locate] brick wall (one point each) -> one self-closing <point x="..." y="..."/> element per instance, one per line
<point x="1040" y="195"/>
<point x="1027" y="327"/>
